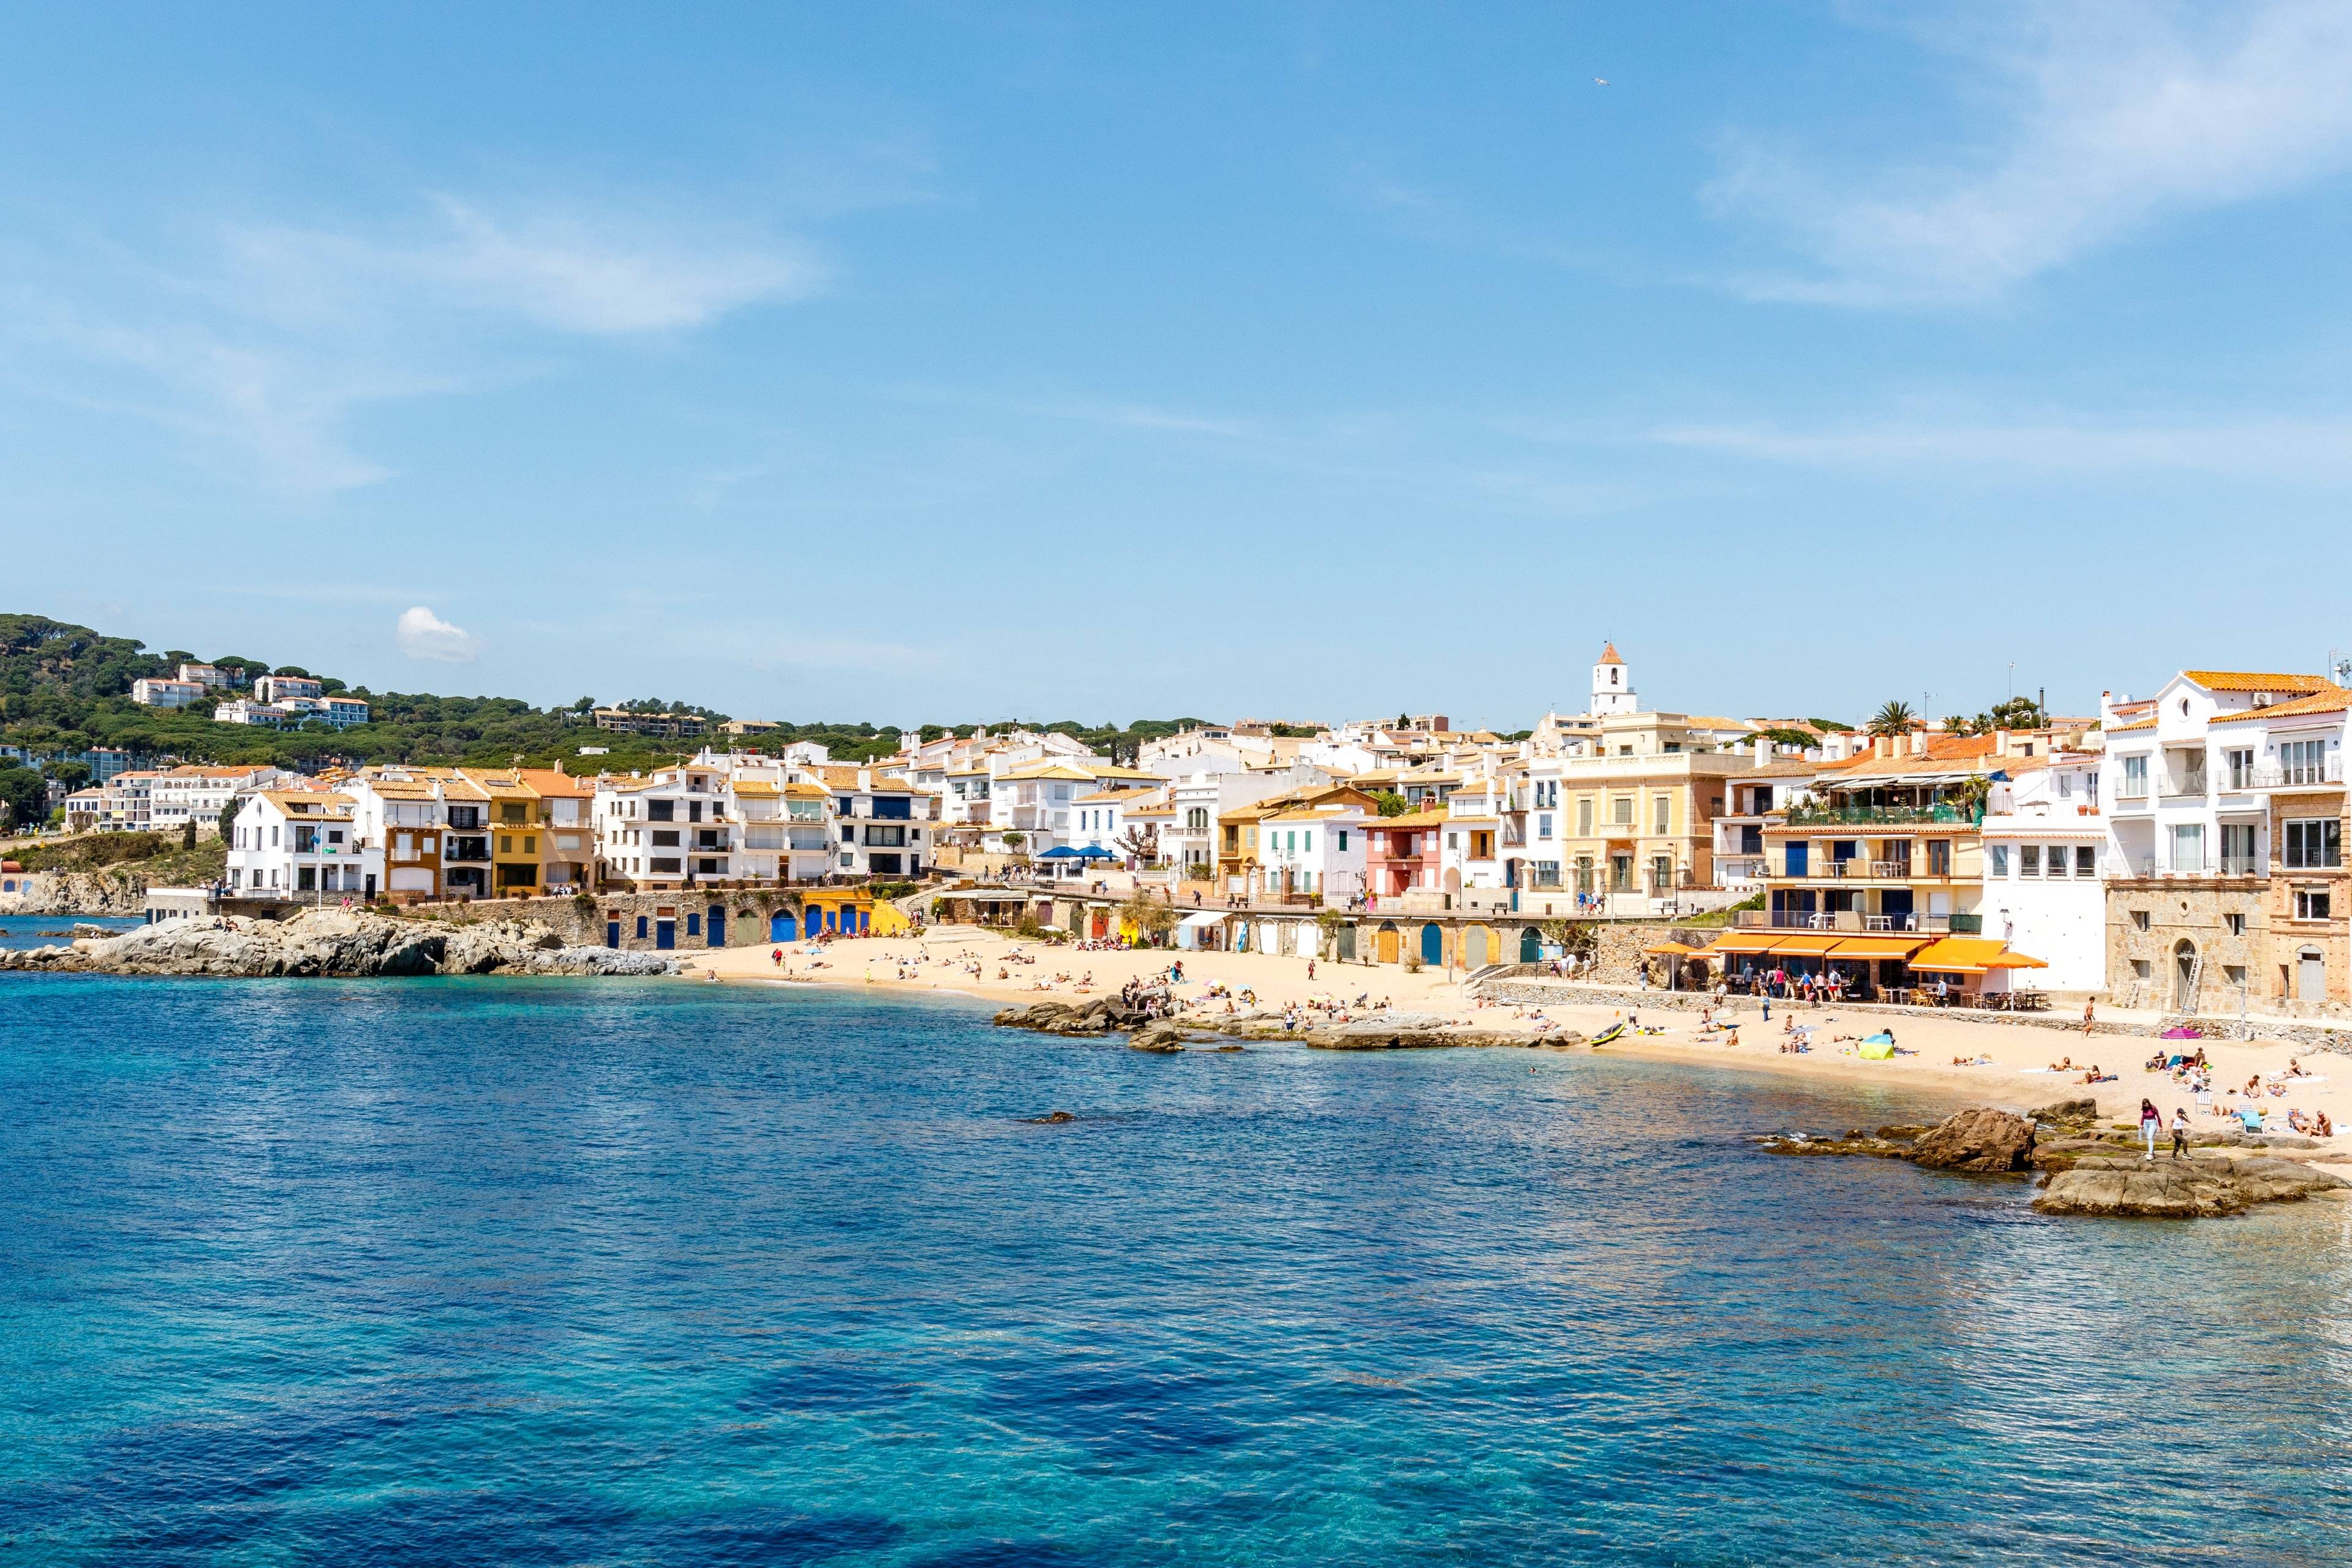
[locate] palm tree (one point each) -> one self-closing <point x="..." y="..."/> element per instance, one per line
<point x="1958" y="724"/>
<point x="1895" y="719"/>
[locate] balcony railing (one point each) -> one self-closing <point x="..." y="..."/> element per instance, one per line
<point x="1857" y="922"/>
<point x="2146" y="868"/>
<point x="1808" y="816"/>
<point x="2303" y="775"/>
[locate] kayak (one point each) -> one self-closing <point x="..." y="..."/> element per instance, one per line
<point x="1609" y="1033"/>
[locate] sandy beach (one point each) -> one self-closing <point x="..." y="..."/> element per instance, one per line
<point x="2009" y="1065"/>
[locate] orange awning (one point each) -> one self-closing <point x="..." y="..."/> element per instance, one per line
<point x="1960" y="955"/>
<point x="1747" y="943"/>
<point x="2014" y="960"/>
<point x="1861" y="947"/>
<point x="1673" y="949"/>
<point x="1807" y="945"/>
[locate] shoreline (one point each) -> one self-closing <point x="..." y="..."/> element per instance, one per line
<point x="2013" y="1076"/>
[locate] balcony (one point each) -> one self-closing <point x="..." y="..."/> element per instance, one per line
<point x="2305" y="776"/>
<point x="1812" y="815"/>
<point x="1856" y="923"/>
<point x="2144" y="868"/>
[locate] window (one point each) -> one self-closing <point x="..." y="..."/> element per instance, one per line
<point x="1939" y="856"/>
<point x="2188" y="847"/>
<point x="1999" y="860"/>
<point x="2139" y="969"/>
<point x="2234" y="924"/>
<point x="693" y="814"/>
<point x="665" y="838"/>
<point x="2238" y="849"/>
<point x="1798" y="854"/>
<point x="2055" y="861"/>
<point x="693" y="925"/>
<point x="2315" y="843"/>
<point x="1623" y="810"/>
<point x="1664" y="817"/>
<point x="2134" y="777"/>
<point x="640" y="928"/>
<point x="2302" y="762"/>
<point x="2240" y="767"/>
<point x="2029" y="860"/>
<point x="1343" y="841"/>
<point x="1543" y="827"/>
<point x="661" y="810"/>
<point x="2311" y="903"/>
<point x="2086" y="860"/>
<point x="2139" y="920"/>
<point x="1454" y="841"/>
<point x="1584" y="818"/>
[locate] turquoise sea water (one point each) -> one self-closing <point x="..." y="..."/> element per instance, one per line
<point x="636" y="1272"/>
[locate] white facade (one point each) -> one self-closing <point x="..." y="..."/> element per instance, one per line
<point x="280" y="687"/>
<point x="1613" y="686"/>
<point x="2045" y="858"/>
<point x="303" y="847"/>
<point x="1315" y="851"/>
<point x="198" y="794"/>
<point x="661" y="829"/>
<point x="159" y="693"/>
<point x="2188" y="789"/>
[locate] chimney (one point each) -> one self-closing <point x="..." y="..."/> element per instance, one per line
<point x="1918" y="742"/>
<point x="1882" y="746"/>
<point x="2000" y="743"/>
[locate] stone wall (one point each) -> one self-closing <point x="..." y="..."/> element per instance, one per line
<point x="581" y="921"/>
<point x="2142" y="962"/>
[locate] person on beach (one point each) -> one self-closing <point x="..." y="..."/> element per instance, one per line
<point x="2087" y="1016"/>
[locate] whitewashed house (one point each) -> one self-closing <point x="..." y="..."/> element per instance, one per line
<point x="305" y="846"/>
<point x="2045" y="867"/>
<point x="1313" y="852"/>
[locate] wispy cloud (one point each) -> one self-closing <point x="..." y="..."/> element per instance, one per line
<point x="2288" y="449"/>
<point x="268" y="340"/>
<point x="424" y="635"/>
<point x="2107" y="117"/>
<point x="1109" y="414"/>
<point x="568" y="272"/>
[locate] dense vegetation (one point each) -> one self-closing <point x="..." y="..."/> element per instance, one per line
<point x="65" y="687"/>
<point x="164" y="857"/>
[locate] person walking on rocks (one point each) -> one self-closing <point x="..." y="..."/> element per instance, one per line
<point x="2179" y="1131"/>
<point x="2151" y="1119"/>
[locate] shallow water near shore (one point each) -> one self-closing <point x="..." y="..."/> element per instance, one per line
<point x="637" y="1272"/>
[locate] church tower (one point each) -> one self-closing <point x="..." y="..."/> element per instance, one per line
<point x="1613" y="689"/>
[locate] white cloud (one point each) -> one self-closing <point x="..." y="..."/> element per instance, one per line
<point x="2112" y="117"/>
<point x="599" y="274"/>
<point x="424" y="635"/>
<point x="2280" y="449"/>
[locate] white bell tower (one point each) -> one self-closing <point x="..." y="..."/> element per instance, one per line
<point x="1612" y="687"/>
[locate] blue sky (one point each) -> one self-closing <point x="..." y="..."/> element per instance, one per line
<point x="924" y="362"/>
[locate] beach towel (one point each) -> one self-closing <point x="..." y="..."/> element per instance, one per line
<point x="1876" y="1049"/>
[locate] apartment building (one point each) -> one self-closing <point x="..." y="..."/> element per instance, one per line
<point x="178" y="796"/>
<point x="1748" y="799"/>
<point x="161" y="692"/>
<point x="782" y="830"/>
<point x="1240" y="845"/>
<point x="275" y="689"/>
<point x="660" y="726"/>
<point x="399" y="810"/>
<point x="660" y="829"/>
<point x="1887" y="840"/>
<point x="2226" y="817"/>
<point x="881" y="822"/>
<point x="1627" y="813"/>
<point x="302" y="846"/>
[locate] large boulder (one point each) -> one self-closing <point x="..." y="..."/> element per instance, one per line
<point x="1983" y="1140"/>
<point x="342" y="942"/>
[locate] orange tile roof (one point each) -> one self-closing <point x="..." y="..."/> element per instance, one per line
<point x="2335" y="700"/>
<point x="2245" y="680"/>
<point x="1943" y="754"/>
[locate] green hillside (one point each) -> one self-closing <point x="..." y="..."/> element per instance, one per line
<point x="66" y="687"/>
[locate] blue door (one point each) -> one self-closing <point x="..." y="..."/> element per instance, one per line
<point x="782" y="927"/>
<point x="864" y="920"/>
<point x="664" y="933"/>
<point x="1433" y="945"/>
<point x="716" y="926"/>
<point x="612" y="933"/>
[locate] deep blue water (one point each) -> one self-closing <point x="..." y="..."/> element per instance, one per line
<point x="636" y="1272"/>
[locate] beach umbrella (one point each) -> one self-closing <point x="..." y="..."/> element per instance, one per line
<point x="1059" y="852"/>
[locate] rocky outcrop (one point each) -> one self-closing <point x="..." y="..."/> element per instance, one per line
<point x="1102" y="1015"/>
<point x="2087" y="1170"/>
<point x="1380" y="1032"/>
<point x="1983" y="1141"/>
<point x="2206" y="1186"/>
<point x="338" y="943"/>
<point x="119" y="890"/>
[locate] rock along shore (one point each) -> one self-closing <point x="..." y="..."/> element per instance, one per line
<point x="1380" y="1032"/>
<point x="331" y="943"/>
<point x="2087" y="1169"/>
